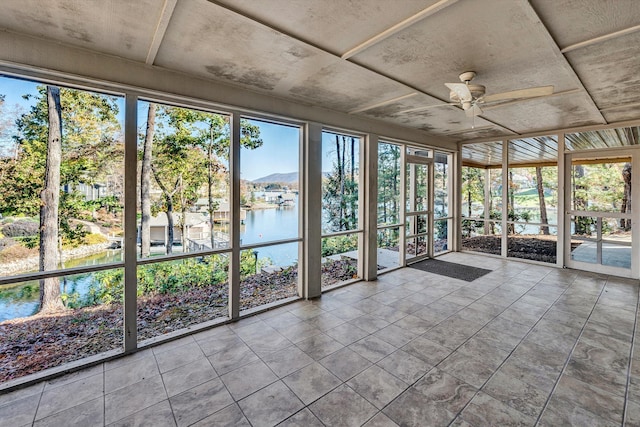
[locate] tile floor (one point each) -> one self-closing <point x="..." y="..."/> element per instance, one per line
<point x="523" y="345"/>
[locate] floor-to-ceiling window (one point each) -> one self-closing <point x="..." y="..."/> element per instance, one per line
<point x="389" y="204"/>
<point x="342" y="224"/>
<point x="532" y="219"/>
<point x="61" y="223"/>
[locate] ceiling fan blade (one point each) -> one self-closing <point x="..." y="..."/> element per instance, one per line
<point x="531" y="92"/>
<point x="473" y="111"/>
<point x="461" y="90"/>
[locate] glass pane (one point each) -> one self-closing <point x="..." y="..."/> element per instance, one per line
<point x="90" y="324"/>
<point x="441" y="235"/>
<point x="616" y="245"/>
<point x="388" y="184"/>
<point x="82" y="194"/>
<point x="473" y="191"/>
<point x="416" y="224"/>
<point x="269" y="163"/>
<point x="417" y="185"/>
<point x="268" y="274"/>
<point x="538" y="247"/>
<point x="340" y="259"/>
<point x="388" y="248"/>
<point x="184" y="185"/>
<point x="176" y="294"/>
<point x="604" y="186"/>
<point x="416" y="246"/>
<point x="604" y="241"/>
<point x="483" y="236"/>
<point x="441" y="185"/>
<point x="341" y="183"/>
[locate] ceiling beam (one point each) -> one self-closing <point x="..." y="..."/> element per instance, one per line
<point x="380" y="104"/>
<point x="601" y="39"/>
<point x="436" y="7"/>
<point x="161" y="29"/>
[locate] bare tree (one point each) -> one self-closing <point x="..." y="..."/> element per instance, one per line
<point x="543" y="206"/>
<point x="626" y="198"/>
<point x="145" y="183"/>
<point x="50" y="198"/>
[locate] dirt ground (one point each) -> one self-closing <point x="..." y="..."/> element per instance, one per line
<point x="533" y="247"/>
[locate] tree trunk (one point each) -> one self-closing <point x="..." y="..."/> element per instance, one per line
<point x="626" y="198"/>
<point x="50" y="287"/>
<point x="169" y="212"/>
<point x="145" y="184"/>
<point x="211" y="205"/>
<point x="543" y="206"/>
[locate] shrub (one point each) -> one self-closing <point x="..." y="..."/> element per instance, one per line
<point x="94" y="239"/>
<point x="16" y="252"/>
<point x="5" y="242"/>
<point x="21" y="228"/>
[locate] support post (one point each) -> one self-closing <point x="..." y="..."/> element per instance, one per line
<point x="234" y="206"/>
<point x="312" y="246"/>
<point x="371" y="208"/>
<point x="130" y="310"/>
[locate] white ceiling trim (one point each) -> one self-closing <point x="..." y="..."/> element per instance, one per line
<point x="380" y="104"/>
<point x="398" y="27"/>
<point x="161" y="29"/>
<point x="565" y="61"/>
<point x="601" y="39"/>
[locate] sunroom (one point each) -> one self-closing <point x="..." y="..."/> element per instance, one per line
<point x="173" y="168"/>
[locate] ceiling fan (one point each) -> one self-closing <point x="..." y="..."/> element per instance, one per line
<point x="468" y="96"/>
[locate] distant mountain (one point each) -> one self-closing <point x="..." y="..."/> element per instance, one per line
<point x="285" y="178"/>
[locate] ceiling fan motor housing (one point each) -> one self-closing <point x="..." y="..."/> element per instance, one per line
<point x="477" y="91"/>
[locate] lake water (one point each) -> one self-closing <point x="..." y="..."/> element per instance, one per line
<point x="264" y="225"/>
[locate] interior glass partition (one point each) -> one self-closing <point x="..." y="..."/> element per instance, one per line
<point x="442" y="206"/>
<point x="61" y="223"/>
<point x="482" y="197"/>
<point x="532" y="199"/>
<point x="184" y="214"/>
<point x="389" y="204"/>
<point x="270" y="210"/>
<point x="342" y="227"/>
<point x="418" y="203"/>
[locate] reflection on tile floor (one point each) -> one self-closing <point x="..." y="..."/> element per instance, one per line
<point x="523" y="345"/>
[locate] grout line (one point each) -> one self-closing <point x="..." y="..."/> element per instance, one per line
<point x="566" y="363"/>
<point x="633" y="341"/>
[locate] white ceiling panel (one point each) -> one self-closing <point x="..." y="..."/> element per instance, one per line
<point x="118" y="27"/>
<point x="334" y="25"/>
<point x="213" y="42"/>
<point x="571" y="21"/>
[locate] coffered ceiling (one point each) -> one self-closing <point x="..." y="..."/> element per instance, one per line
<point x="384" y="60"/>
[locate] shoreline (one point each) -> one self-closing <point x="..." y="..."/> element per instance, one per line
<point x="31" y="264"/>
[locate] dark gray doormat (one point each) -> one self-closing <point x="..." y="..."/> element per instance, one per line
<point x="450" y="269"/>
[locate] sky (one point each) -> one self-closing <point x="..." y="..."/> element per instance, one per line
<point x="278" y="154"/>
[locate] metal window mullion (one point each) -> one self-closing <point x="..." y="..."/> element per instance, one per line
<point x="371" y="208"/>
<point x="403" y="205"/>
<point x="561" y="219"/>
<point x="130" y="309"/>
<point x="234" y="182"/>
<point x="635" y="208"/>
<point x="505" y="198"/>
<point x="599" y="240"/>
<point x="302" y="210"/>
<point x="313" y="212"/>
<point x="431" y="200"/>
